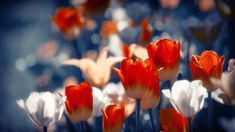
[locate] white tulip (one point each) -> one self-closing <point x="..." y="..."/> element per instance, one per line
<point x="186" y="97"/>
<point x="43" y="108"/>
<point x="98" y="102"/>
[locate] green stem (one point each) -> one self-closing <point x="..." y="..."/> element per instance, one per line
<point x="151" y="119"/>
<point x="44" y="129"/>
<point x="137" y="114"/>
<point x="209" y="110"/>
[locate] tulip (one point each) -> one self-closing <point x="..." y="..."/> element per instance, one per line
<point x="44" y="108"/>
<point x="115" y="93"/>
<point x="97" y="72"/>
<point x="113" y="118"/>
<point x="151" y="101"/>
<point x="227" y="84"/>
<point x="208" y="64"/>
<point x="147" y="31"/>
<point x="166" y="56"/>
<point x="186" y="97"/>
<point x="109" y="28"/>
<point x="70" y="21"/>
<point x="99" y="101"/>
<point x="79" y="101"/>
<point x="91" y="7"/>
<point x="138" y="77"/>
<point x="172" y="121"/>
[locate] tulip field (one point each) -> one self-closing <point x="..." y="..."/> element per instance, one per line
<point x="118" y="66"/>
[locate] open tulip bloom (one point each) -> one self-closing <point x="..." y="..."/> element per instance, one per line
<point x="186" y="97"/>
<point x="97" y="72"/>
<point x="209" y="64"/>
<point x="43" y="108"/>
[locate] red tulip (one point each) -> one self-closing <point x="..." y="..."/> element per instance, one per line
<point x="109" y="28"/>
<point x="138" y="77"/>
<point x="91" y="7"/>
<point x="79" y="101"/>
<point x="166" y="56"/>
<point x="147" y="31"/>
<point x="70" y="21"/>
<point x="208" y="65"/>
<point x="172" y="121"/>
<point x="113" y="118"/>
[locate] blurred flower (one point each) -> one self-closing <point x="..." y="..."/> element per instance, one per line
<point x="79" y="101"/>
<point x="166" y="56"/>
<point x="186" y="97"/>
<point x="231" y="65"/>
<point x="206" y="5"/>
<point x="171" y="4"/>
<point x="226" y="83"/>
<point x="98" y="101"/>
<point x="147" y="32"/>
<point x="138" y="77"/>
<point x="97" y="73"/>
<point x="113" y="118"/>
<point x="109" y="28"/>
<point x="228" y="124"/>
<point x="44" y="108"/>
<point x="115" y="93"/>
<point x="207" y="32"/>
<point x="91" y="7"/>
<point x="226" y="8"/>
<point x="172" y="121"/>
<point x="208" y="64"/>
<point x="70" y="21"/>
<point x="135" y="50"/>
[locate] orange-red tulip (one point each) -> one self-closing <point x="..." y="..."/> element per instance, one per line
<point x="152" y="100"/>
<point x="91" y="7"/>
<point x="70" y="21"/>
<point x="79" y="101"/>
<point x="109" y="28"/>
<point x="208" y="64"/>
<point x="172" y="121"/>
<point x="147" y="31"/>
<point x="138" y="77"/>
<point x="166" y="56"/>
<point x="113" y="118"/>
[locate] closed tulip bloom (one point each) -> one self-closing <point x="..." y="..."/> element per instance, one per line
<point x="113" y="118"/>
<point x="152" y="100"/>
<point x="70" y="21"/>
<point x="44" y="108"/>
<point x="138" y="77"/>
<point x="172" y="121"/>
<point x="209" y="64"/>
<point x="166" y="56"/>
<point x="79" y="101"/>
<point x="186" y="97"/>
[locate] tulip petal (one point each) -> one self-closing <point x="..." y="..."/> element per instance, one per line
<point x="98" y="101"/>
<point x="21" y="104"/>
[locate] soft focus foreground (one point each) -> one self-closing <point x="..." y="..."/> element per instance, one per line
<point x="117" y="65"/>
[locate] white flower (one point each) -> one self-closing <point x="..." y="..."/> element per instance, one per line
<point x="98" y="102"/>
<point x="187" y="98"/>
<point x="43" y="108"/>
